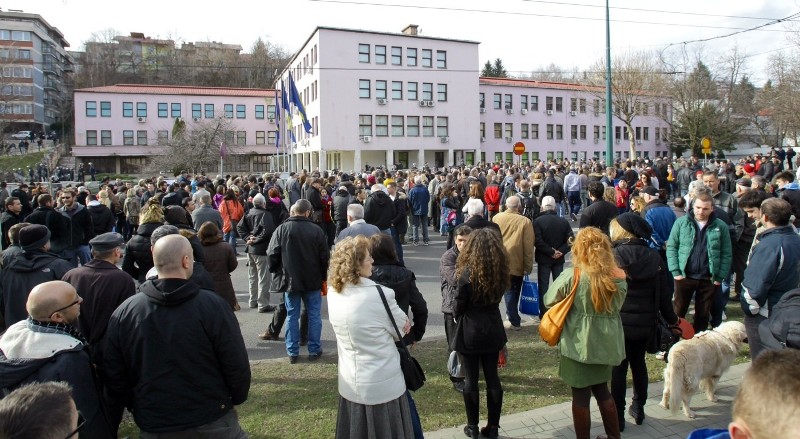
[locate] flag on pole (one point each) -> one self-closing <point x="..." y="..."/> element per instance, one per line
<point x="277" y="119"/>
<point x="223" y="150"/>
<point x="294" y="97"/>
<point x="285" y="99"/>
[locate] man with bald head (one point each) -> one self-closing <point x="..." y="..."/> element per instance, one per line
<point x="175" y="352"/>
<point x="47" y="347"/>
<point x="518" y="239"/>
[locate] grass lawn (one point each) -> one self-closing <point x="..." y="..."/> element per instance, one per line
<point x="9" y="162"/>
<point x="301" y="400"/>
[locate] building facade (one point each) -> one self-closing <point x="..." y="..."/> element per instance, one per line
<point x="118" y="128"/>
<point x="35" y="91"/>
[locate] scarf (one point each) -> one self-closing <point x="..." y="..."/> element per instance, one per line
<point x="56" y="328"/>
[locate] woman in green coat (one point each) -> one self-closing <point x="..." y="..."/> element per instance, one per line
<point x="592" y="341"/>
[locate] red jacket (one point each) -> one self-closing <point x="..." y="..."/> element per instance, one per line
<point x="492" y="197"/>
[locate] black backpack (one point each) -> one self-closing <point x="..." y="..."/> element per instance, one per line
<point x="782" y="329"/>
<point x="529" y="206"/>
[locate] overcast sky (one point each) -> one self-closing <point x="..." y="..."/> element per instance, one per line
<point x="525" y="34"/>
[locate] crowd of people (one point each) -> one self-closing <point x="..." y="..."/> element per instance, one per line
<point x="654" y="237"/>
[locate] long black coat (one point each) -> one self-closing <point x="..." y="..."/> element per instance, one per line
<point x="299" y="248"/>
<point x="644" y="272"/>
<point x="482" y="329"/>
<point x="552" y="233"/>
<point x="406" y="293"/>
<point x="138" y="258"/>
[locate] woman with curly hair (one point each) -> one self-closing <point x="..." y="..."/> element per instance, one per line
<point x="372" y="390"/>
<point x="592" y="340"/>
<point x="483" y="277"/>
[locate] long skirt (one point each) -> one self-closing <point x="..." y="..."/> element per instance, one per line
<point x="390" y="420"/>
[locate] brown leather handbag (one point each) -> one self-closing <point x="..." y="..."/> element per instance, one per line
<point x="553" y="320"/>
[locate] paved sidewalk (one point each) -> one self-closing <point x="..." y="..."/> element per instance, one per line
<point x="556" y="421"/>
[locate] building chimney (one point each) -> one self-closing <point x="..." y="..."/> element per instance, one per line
<point x="411" y="29"/>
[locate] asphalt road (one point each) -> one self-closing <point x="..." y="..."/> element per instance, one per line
<point x="422" y="260"/>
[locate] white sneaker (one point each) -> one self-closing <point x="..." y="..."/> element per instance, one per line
<point x="506" y="324"/>
<point x="660" y="355"/>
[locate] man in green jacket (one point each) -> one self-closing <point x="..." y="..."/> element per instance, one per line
<point x="699" y="255"/>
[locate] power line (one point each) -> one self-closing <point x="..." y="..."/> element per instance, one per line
<point x="531" y="14"/>
<point x="759" y="27"/>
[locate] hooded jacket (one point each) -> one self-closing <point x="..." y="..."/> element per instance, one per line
<point x="773" y="270"/>
<point x="791" y="193"/>
<point x="661" y="218"/>
<point x="407" y="295"/>
<point x="28" y="354"/>
<point x="103" y="220"/>
<point x="27" y="270"/>
<point x="299" y="249"/>
<point x="341" y="200"/>
<point x="379" y="210"/>
<point x="174" y="355"/>
<point x="79" y="224"/>
<point x="138" y="259"/>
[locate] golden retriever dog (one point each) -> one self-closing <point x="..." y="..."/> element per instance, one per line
<point x="698" y="363"/>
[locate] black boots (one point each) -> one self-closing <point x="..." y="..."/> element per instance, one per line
<point x="471" y="431"/>
<point x="637" y="413"/>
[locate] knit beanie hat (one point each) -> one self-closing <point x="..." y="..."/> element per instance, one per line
<point x="176" y="215"/>
<point x="635" y="224"/>
<point x="33" y="237"/>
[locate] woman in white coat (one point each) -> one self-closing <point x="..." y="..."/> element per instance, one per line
<point x="373" y="401"/>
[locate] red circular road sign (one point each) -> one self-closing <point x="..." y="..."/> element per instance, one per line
<point x="519" y="148"/>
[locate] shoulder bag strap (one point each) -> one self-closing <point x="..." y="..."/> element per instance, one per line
<point x="577" y="278"/>
<point x="391" y="317"/>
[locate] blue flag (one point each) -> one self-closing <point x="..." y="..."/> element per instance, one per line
<point x="294" y="97"/>
<point x="285" y="100"/>
<point x="277" y="120"/>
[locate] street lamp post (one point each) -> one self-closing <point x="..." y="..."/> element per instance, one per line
<point x="609" y="117"/>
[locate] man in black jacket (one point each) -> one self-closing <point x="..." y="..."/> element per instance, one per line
<point x="10" y="216"/>
<point x="299" y="249"/>
<point x="552" y="234"/>
<point x="256" y="229"/>
<point x="175" y="352"/>
<point x="600" y="212"/>
<point x="81" y="229"/>
<point x="379" y="209"/>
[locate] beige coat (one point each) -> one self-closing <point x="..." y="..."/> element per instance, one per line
<point x="518" y="239"/>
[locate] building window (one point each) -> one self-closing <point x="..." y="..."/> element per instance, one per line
<point x="230" y="137"/>
<point x="596" y="132"/>
<point x="141" y="137"/>
<point x="583" y="132"/>
<point x="209" y="111"/>
<point x="260" y="137"/>
<point x="442" y="127"/>
<point x="241" y="137"/>
<point x="363" y="53"/>
<point x="559" y="132"/>
<point x="382" y="125"/>
<point x="397" y="89"/>
<point x="441" y="92"/>
<point x="498" y="130"/>
<point x="646" y="133"/>
<point x="272" y="137"/>
<point x="509" y="130"/>
<point x="91" y="137"/>
<point x="241" y="112"/>
<point x="427" y="58"/>
<point x="91" y="108"/>
<point x="483" y="130"/>
<point x="127" y="109"/>
<point x="105" y="137"/>
<point x="548" y="103"/>
<point x="523" y="102"/>
<point x="441" y="59"/>
<point x="411" y="57"/>
<point x="482" y="99"/>
<point x="162" y="109"/>
<point x="507" y="104"/>
<point x="24" y="54"/>
<point x="363" y="88"/>
<point x="175" y="109"/>
<point x="534" y="103"/>
<point x="364" y="125"/>
<point x="127" y="137"/>
<point x="412" y="126"/>
<point x="573" y="132"/>
<point x="105" y="109"/>
<point x="380" y="54"/>
<point x="163" y="137"/>
<point x="380" y="89"/>
<point x="549" y="131"/>
<point x="412" y="91"/>
<point x="260" y="111"/>
<point x="398" y="126"/>
<point x="658" y="133"/>
<point x="603" y="132"/>
<point x="573" y="104"/>
<point x="141" y="109"/>
<point x="523" y="131"/>
<point x="617" y="132"/>
<point x="397" y="56"/>
<point x="582" y="105"/>
<point x="645" y="109"/>
<point x="559" y="104"/>
<point x="497" y="101"/>
<point x="534" y="131"/>
<point x="197" y="112"/>
<point x="427" y="126"/>
<point x="228" y="109"/>
<point x="427" y="91"/>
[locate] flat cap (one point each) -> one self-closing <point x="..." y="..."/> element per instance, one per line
<point x="107" y="242"/>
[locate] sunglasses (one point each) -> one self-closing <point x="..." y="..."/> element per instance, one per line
<point x="77" y="301"/>
<point x="81" y="423"/>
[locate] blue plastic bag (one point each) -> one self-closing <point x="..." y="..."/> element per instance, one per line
<point x="529" y="298"/>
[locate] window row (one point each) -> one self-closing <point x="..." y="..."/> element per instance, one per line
<point x="412" y="90"/>
<point x="577" y="132"/>
<point x="17" y="72"/>
<point x="402" y="126"/>
<point x="17" y="90"/>
<point x="6" y="53"/>
<point x="502" y="101"/>
<point x="413" y="57"/>
<point x="174" y="110"/>
<point x="140" y="137"/>
<point x="15" y="108"/>
<point x="15" y="35"/>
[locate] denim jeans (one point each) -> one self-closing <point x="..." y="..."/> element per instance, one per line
<point x="313" y="303"/>
<point x="720" y="302"/>
<point x="226" y="427"/>
<point x="544" y="272"/>
<point x="512" y="301"/>
<point x="230" y="238"/>
<point x="421" y="221"/>
<point x="753" y="337"/>
<point x="80" y="254"/>
<point x="574" y="199"/>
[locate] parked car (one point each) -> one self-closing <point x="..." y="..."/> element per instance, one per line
<point x="21" y="135"/>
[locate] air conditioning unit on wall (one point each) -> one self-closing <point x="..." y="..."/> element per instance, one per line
<point x="141" y="119"/>
<point x="366" y="139"/>
<point x="523" y="111"/>
<point x="549" y="112"/>
<point x="382" y="101"/>
<point x="444" y="139"/>
<point x="509" y="111"/>
<point x="483" y="110"/>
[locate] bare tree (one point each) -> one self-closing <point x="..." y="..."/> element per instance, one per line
<point x="636" y="77"/>
<point x="196" y="147"/>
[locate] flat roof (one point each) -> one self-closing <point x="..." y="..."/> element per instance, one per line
<point x="179" y="90"/>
